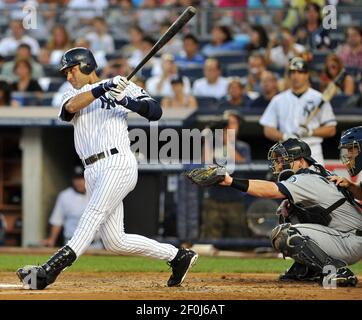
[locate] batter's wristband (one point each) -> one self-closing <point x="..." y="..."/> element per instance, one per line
<point x="98" y="91"/>
<point x="240" y="184"/>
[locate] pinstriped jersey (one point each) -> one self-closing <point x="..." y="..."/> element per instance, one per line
<point x="286" y="112"/>
<point x="102" y="125"/>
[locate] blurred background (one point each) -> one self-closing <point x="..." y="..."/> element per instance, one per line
<point x="221" y="71"/>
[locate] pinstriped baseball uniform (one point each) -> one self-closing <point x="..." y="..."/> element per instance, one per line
<point x="339" y="239"/>
<point x="286" y="112"/>
<point x="100" y="127"/>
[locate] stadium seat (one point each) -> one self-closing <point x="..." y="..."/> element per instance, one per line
<point x="119" y="43"/>
<point x="205" y="103"/>
<point x="55" y="84"/>
<point x="339" y="100"/>
<point x="227" y="58"/>
<point x="237" y="70"/>
<point x="192" y="73"/>
<point x="319" y="57"/>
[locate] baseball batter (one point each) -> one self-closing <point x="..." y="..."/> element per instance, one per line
<point x="98" y="111"/>
<point x="288" y="111"/>
<point x="324" y="224"/>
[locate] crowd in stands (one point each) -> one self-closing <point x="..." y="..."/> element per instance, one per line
<point x="239" y="63"/>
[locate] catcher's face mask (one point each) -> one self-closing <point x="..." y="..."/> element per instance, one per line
<point x="279" y="159"/>
<point x="348" y="154"/>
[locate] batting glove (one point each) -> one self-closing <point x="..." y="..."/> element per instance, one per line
<point x="304" y="132"/>
<point x="118" y="93"/>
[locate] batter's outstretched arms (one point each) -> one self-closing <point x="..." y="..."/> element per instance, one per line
<point x="115" y="87"/>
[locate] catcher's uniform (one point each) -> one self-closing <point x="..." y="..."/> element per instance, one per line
<point x="342" y="238"/>
<point x="287" y="112"/>
<point x="102" y="142"/>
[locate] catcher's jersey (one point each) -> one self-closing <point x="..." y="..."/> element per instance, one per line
<point x="103" y="124"/>
<point x="286" y="112"/>
<point x="312" y="189"/>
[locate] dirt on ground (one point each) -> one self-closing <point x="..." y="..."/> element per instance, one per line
<point x="152" y="286"/>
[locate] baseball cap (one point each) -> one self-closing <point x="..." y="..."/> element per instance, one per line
<point x="298" y="64"/>
<point x="78" y="172"/>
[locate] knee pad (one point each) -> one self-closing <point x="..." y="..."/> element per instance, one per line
<point x="291" y="243"/>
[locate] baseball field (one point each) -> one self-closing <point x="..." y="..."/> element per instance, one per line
<point x="133" y="278"/>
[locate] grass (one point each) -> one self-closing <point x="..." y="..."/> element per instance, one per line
<point x="137" y="264"/>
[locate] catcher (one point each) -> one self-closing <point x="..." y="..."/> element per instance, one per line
<point x="321" y="225"/>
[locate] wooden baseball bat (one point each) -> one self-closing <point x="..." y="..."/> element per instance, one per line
<point x="327" y="96"/>
<point x="167" y="36"/>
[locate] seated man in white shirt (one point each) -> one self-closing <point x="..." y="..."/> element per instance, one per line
<point x="8" y="45"/>
<point x="213" y="84"/>
<point x="160" y="85"/>
<point x="68" y="209"/>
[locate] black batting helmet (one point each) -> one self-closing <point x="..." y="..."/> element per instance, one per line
<point x="79" y="56"/>
<point x="282" y="154"/>
<point x="298" y="64"/>
<point x="350" y="148"/>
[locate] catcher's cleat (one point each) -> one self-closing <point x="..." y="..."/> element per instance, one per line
<point x="180" y="265"/>
<point x="39" y="277"/>
<point x="342" y="278"/>
<point x="300" y="272"/>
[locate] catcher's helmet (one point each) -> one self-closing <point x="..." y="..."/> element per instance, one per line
<point x="82" y="56"/>
<point x="282" y="154"/>
<point x="298" y="64"/>
<point x="350" y="150"/>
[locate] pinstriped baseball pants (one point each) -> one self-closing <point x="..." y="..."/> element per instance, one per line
<point x="108" y="181"/>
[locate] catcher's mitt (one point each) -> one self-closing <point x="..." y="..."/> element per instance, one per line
<point x="207" y="177"/>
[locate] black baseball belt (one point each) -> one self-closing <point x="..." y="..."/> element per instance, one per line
<point x="99" y="156"/>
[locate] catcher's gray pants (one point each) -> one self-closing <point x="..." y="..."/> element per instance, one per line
<point x="108" y="181"/>
<point x="339" y="245"/>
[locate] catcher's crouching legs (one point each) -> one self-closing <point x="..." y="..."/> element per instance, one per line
<point x="39" y="277"/>
<point x="291" y="243"/>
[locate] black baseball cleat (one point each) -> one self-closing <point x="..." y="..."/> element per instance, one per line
<point x="342" y="278"/>
<point x="183" y="261"/>
<point x="300" y="272"/>
<point x="39" y="277"/>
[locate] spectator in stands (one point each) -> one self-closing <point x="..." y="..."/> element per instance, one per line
<point x="99" y="55"/>
<point x="86" y="10"/>
<point x="190" y="56"/>
<point x="68" y="209"/>
<point x="224" y="214"/>
<point x="269" y="88"/>
<point x="161" y="85"/>
<point x="356" y="100"/>
<point x="117" y="66"/>
<point x="5" y="95"/>
<point x="351" y="51"/>
<point x="134" y="49"/>
<point x="58" y="43"/>
<point x="221" y="41"/>
<point x="236" y="97"/>
<point x="258" y="39"/>
<point x="22" y="52"/>
<point x="310" y="32"/>
<point x="174" y="46"/>
<point x="287" y="112"/>
<point x="256" y="66"/>
<point x="9" y="45"/>
<point x="332" y="67"/>
<point x="212" y="84"/>
<point x="179" y="98"/>
<point x="149" y="15"/>
<point x="282" y="48"/>
<point x="99" y="38"/>
<point x="25" y="84"/>
<point x="120" y="18"/>
<point x="136" y="57"/>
